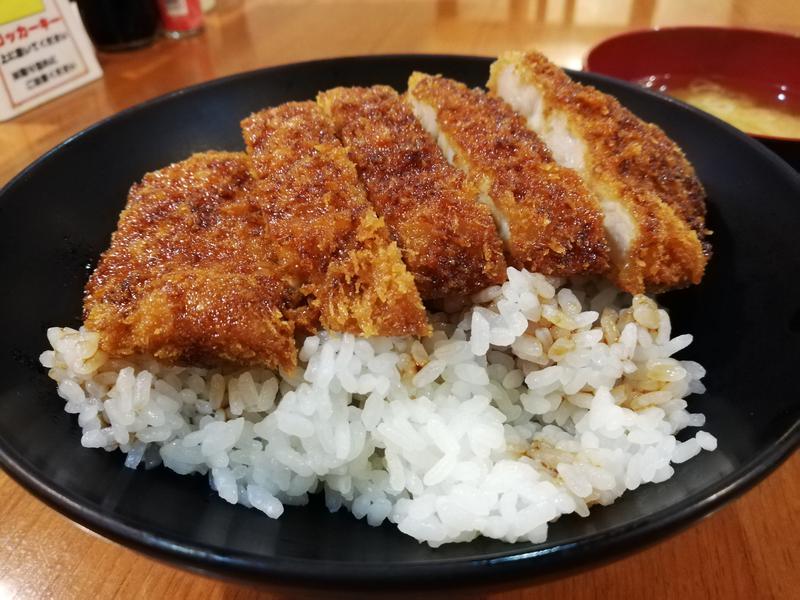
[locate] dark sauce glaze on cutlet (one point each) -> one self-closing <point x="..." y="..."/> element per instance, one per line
<point x="210" y="265"/>
<point x="448" y="238"/>
<point x="188" y="276"/>
<point x="636" y="170"/>
<point x="554" y="222"/>
<point x="331" y="239"/>
<point x="636" y="151"/>
<point x="225" y="258"/>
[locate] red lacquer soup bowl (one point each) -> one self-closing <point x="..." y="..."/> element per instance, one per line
<point x="764" y="65"/>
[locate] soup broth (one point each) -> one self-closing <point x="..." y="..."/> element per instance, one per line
<point x="771" y="115"/>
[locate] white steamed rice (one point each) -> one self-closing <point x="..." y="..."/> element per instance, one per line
<point x="541" y="401"/>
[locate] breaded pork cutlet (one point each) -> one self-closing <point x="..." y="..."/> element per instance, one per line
<point x="327" y="235"/>
<point x="188" y="276"/>
<point x="654" y="204"/>
<point x="549" y="221"/>
<point x="447" y="237"/>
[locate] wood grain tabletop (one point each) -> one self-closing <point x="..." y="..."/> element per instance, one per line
<point x="749" y="549"/>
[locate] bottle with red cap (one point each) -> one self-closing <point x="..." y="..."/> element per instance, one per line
<point x="181" y="18"/>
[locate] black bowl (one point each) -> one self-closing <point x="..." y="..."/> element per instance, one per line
<point x="787" y="149"/>
<point x="58" y="215"/>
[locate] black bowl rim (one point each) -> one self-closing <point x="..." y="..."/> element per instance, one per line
<point x="513" y="565"/>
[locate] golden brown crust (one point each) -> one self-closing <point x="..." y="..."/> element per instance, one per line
<point x="210" y="266"/>
<point x="555" y="224"/>
<point x="319" y="214"/>
<point x="187" y="276"/>
<point x="637" y="152"/>
<point x="448" y="239"/>
<point x="664" y="253"/>
<point x="635" y="164"/>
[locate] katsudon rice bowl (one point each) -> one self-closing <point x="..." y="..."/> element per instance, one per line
<point x="540" y="401"/>
<point x="532" y="378"/>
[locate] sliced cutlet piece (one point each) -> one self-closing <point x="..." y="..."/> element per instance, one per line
<point x="447" y="237"/>
<point x="654" y="204"/>
<point x="188" y="276"/>
<point x="549" y="221"/>
<point x="333" y="244"/>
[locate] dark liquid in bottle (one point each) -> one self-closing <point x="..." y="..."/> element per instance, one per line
<point x="119" y="24"/>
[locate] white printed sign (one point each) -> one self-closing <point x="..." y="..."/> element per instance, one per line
<point x="44" y="53"/>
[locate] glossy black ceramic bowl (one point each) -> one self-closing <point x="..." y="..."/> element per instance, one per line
<point x="57" y="217"/>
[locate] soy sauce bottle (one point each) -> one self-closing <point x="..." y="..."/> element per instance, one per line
<point x="115" y="25"/>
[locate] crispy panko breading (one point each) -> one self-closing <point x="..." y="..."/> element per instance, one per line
<point x="549" y="221"/>
<point x="329" y="237"/>
<point x="226" y="258"/>
<point x="653" y="202"/>
<point x="188" y="276"/>
<point x="448" y="238"/>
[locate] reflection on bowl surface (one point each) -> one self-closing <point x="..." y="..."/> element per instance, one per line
<point x="758" y="108"/>
<point x="745" y="77"/>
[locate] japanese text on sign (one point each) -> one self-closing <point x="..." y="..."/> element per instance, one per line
<point x="43" y="53"/>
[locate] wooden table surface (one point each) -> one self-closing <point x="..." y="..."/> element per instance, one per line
<point x="750" y="549"/>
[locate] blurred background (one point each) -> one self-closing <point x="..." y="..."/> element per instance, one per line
<point x="239" y="35"/>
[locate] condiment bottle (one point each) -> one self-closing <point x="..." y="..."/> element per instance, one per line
<point x="181" y="18"/>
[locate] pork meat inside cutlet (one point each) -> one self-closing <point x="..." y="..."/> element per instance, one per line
<point x="331" y="241"/>
<point x="653" y="203"/>
<point x="447" y="237"/>
<point x="549" y="221"/>
<point x="189" y="275"/>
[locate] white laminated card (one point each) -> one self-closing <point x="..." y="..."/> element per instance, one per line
<point x="44" y="53"/>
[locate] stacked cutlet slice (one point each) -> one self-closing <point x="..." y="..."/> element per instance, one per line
<point x="335" y="247"/>
<point x="347" y="213"/>
<point x="447" y="237"/>
<point x="224" y="257"/>
<point x="549" y="221"/>
<point x="652" y="201"/>
<point x="189" y="276"/>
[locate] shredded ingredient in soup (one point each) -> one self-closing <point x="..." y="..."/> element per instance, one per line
<point x="739" y="109"/>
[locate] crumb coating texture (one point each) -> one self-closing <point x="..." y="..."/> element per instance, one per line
<point x="555" y="223"/>
<point x="447" y="237"/>
<point x="636" y="151"/>
<point x="188" y="276"/>
<point x="220" y="259"/>
<point x="635" y="162"/>
<point x="330" y="238"/>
